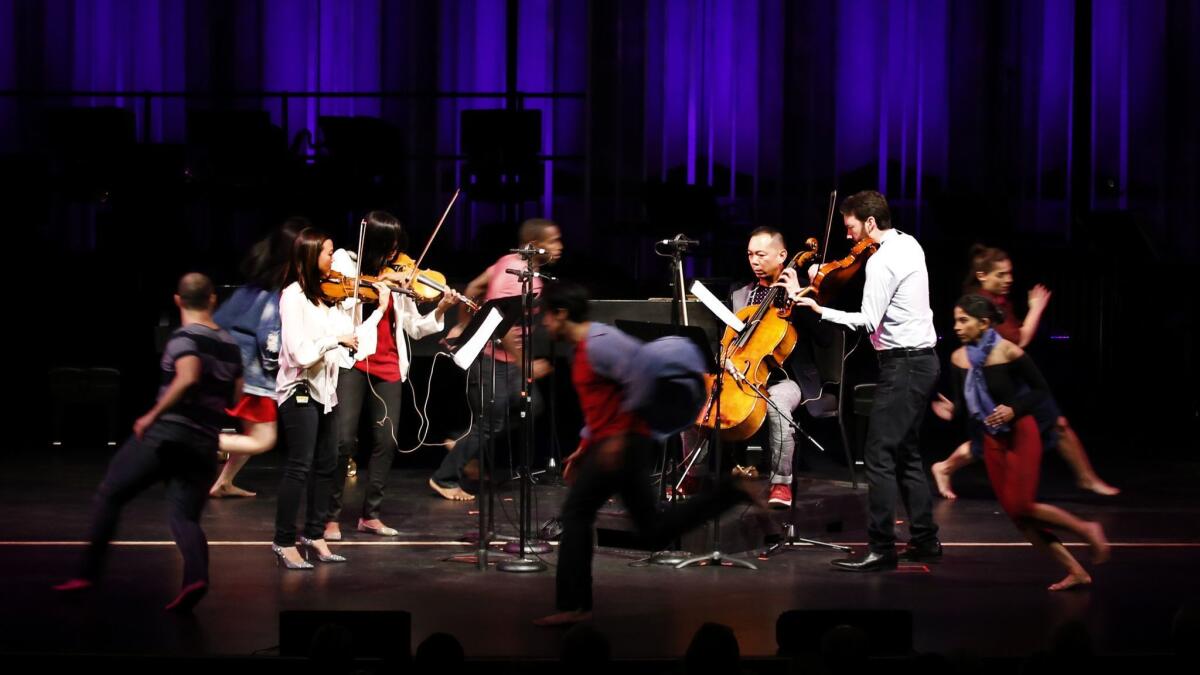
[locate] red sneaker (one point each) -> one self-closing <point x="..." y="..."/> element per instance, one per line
<point x="780" y="497"/>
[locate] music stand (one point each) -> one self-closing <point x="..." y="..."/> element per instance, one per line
<point x="716" y="556"/>
<point x="481" y="330"/>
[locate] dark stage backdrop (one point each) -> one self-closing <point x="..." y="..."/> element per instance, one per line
<point x="142" y="138"/>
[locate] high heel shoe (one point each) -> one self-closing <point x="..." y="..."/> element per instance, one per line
<point x="282" y="559"/>
<point x="331" y="558"/>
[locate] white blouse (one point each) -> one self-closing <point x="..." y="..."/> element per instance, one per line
<point x="310" y="352"/>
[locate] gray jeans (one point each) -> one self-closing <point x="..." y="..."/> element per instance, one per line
<point x="781" y="439"/>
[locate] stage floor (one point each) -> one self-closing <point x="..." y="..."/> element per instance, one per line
<point x="987" y="596"/>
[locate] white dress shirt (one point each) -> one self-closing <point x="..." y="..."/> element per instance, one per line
<point x="409" y="321"/>
<point x="895" y="304"/>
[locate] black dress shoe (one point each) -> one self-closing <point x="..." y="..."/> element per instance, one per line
<point x="922" y="553"/>
<point x="872" y="562"/>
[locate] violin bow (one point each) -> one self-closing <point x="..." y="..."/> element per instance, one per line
<point x="438" y="228"/>
<point x="362" y="235"/>
<point x="828" y="226"/>
<point x="828" y="231"/>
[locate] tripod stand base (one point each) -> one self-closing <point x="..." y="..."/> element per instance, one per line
<point x="534" y="546"/>
<point x="672" y="558"/>
<point x="521" y="565"/>
<point x="790" y="539"/>
<point x="717" y="558"/>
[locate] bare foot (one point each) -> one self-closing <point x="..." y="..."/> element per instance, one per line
<point x="222" y="490"/>
<point x="1101" y="551"/>
<point x="942" y="477"/>
<point x="564" y="618"/>
<point x="1099" y="487"/>
<point x="454" y="494"/>
<point x="1075" y="580"/>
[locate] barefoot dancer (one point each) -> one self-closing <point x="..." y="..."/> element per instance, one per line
<point x="448" y="481"/>
<point x="251" y="315"/>
<point x="991" y="277"/>
<point x="989" y="372"/>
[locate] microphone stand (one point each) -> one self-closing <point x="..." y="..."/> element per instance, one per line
<point x="676" y="554"/>
<point x="525" y="546"/>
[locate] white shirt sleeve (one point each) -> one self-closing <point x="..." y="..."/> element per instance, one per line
<point x="343" y="263"/>
<point x="880" y="285"/>
<point x="412" y="321"/>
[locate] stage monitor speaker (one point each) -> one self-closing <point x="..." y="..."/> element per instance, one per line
<point x="888" y="631"/>
<point x="377" y="634"/>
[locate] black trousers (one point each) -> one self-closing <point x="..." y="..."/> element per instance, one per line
<point x="892" y="454"/>
<point x="508" y="401"/>
<point x="310" y="436"/>
<point x="631" y="479"/>
<point x="186" y="459"/>
<point x="354" y="392"/>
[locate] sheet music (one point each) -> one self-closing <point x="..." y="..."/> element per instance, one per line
<point x="465" y="356"/>
<point x="717" y="307"/>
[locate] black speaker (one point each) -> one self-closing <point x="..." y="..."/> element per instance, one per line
<point x="888" y="631"/>
<point x="502" y="149"/>
<point x="377" y="634"/>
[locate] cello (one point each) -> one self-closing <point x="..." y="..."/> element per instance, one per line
<point x="747" y="358"/>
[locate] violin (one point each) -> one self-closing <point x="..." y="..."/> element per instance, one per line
<point x="426" y="285"/>
<point x="337" y="287"/>
<point x="832" y="276"/>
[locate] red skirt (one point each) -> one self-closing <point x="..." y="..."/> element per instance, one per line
<point x="256" y="409"/>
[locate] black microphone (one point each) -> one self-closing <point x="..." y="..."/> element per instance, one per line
<point x="535" y="275"/>
<point x="679" y="241"/>
<point x="528" y="251"/>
